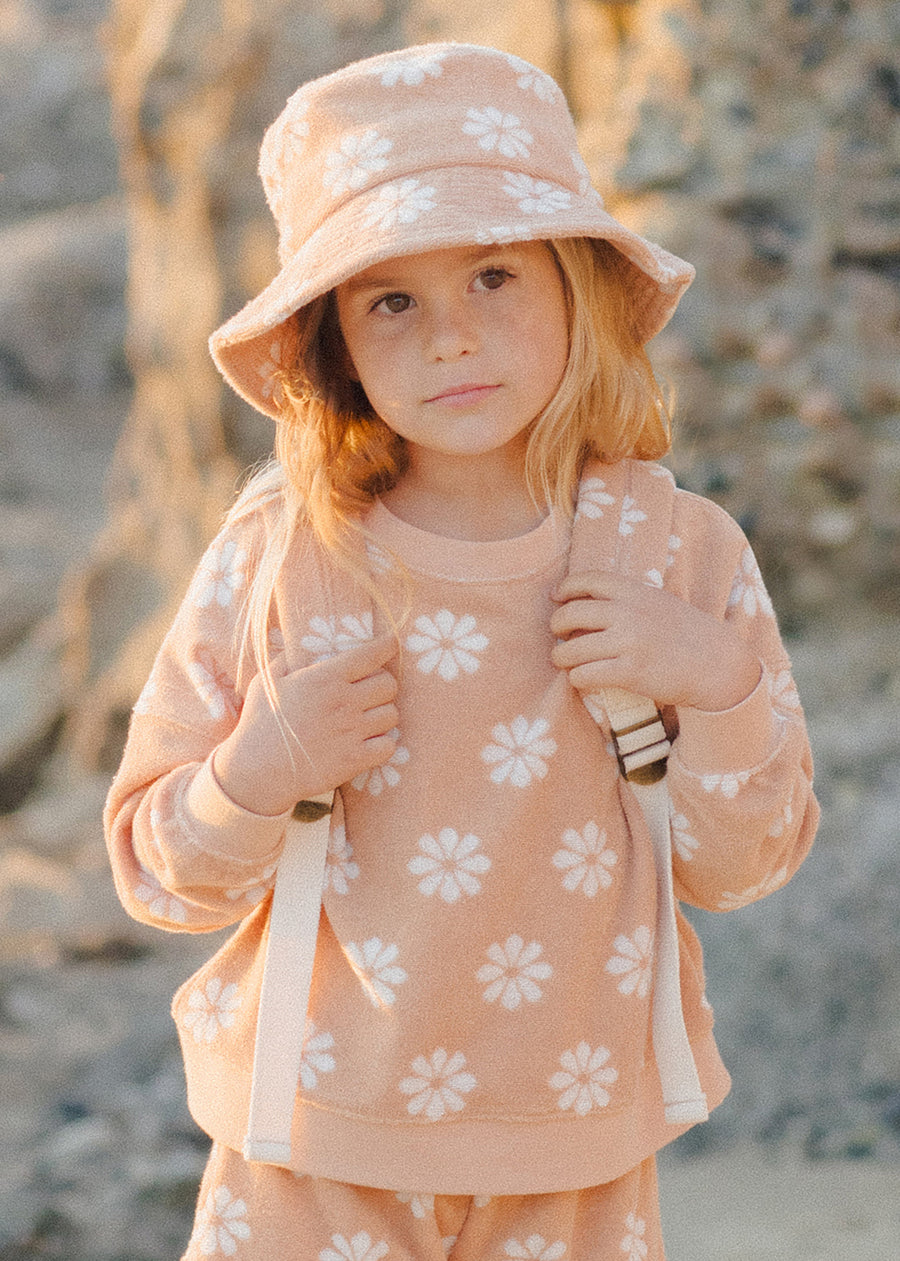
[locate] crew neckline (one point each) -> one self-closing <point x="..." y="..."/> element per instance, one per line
<point x="469" y="560"/>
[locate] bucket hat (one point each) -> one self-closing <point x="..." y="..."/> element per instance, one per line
<point x="418" y="149"/>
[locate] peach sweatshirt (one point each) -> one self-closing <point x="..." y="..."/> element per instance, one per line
<point x="479" y="1017"/>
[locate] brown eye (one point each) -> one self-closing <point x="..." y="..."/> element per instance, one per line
<point x="493" y="277"/>
<point x="396" y="303"/>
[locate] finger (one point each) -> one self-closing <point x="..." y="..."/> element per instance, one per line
<point x="582" y="649"/>
<point x="379" y="749"/>
<point x="371" y="655"/>
<point x="375" y="689"/>
<point x="580" y="615"/>
<point x="379" y="722"/>
<point x="594" y="584"/>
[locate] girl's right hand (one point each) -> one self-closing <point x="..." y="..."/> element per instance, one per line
<point x="338" y="719"/>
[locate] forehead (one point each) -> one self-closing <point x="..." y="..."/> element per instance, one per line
<point x="410" y="267"/>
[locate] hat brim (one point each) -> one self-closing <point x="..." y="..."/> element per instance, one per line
<point x="246" y="347"/>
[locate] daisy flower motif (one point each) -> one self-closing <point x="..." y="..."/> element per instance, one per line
<point x="586" y="861"/>
<point x="221" y="1224"/>
<point x="783" y="690"/>
<point x="317" y="1057"/>
<point x="437" y="1085"/>
<point x="253" y="891"/>
<point x="633" y="1244"/>
<point x="211" y="1008"/>
<point x="585" y="187"/>
<point x="631" y="516"/>
<point x="583" y="1079"/>
<point x="220" y="576"/>
<point x="654" y="577"/>
<point x="449" y="865"/>
<point x="536" y="197"/>
<point x="514" y="972"/>
<point x="534" y="1248"/>
<point x="748" y="591"/>
<point x="529" y="79"/>
<point x="411" y="71"/>
<point x="158" y="900"/>
<point x="684" y="841"/>
<point x="420" y="1205"/>
<point x="379" y="560"/>
<point x="634" y="962"/>
<point x="401" y="202"/>
<point x="356" y="159"/>
<point x="143" y="704"/>
<point x="340" y="868"/>
<point x="519" y="752"/>
<point x="329" y="636"/>
<point x="376" y="966"/>
<point x="359" y="1248"/>
<point x="496" y="130"/>
<point x="268" y="368"/>
<point x="593" y="497"/>
<point x="503" y="232"/>
<point x="733" y="901"/>
<point x="782" y="821"/>
<point x="213" y="686"/>
<point x="380" y="777"/>
<point x="447" y="644"/>
<point x="728" y="785"/>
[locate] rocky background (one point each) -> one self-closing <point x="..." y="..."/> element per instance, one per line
<point x="761" y="139"/>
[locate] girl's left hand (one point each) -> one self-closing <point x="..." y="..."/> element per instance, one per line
<point x="618" y="632"/>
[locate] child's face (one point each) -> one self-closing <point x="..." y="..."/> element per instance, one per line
<point x="458" y="350"/>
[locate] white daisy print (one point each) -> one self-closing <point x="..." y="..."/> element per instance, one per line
<point x="654" y="577"/>
<point x="630" y="517"/>
<point x="534" y="1248"/>
<point x="220" y="576"/>
<point x="378" y="778"/>
<point x="356" y="159"/>
<point x="437" y="1085"/>
<point x="375" y="963"/>
<point x="782" y="821"/>
<point x="328" y="636"/>
<point x="420" y="1205"/>
<point x="340" y="868"/>
<point x="253" y="891"/>
<point x="379" y="560"/>
<point x="449" y="865"/>
<point x="633" y="1244"/>
<point x="447" y="644"/>
<point x="213" y="686"/>
<point x="536" y="197"/>
<point x="211" y="1008"/>
<point x="748" y="591"/>
<point x="143" y="703"/>
<point x="728" y="785"/>
<point x="159" y="901"/>
<point x="401" y="202"/>
<point x="732" y="901"/>
<point x="520" y="751"/>
<point x="530" y="79"/>
<point x="513" y="972"/>
<point x="683" y="840"/>
<point x="783" y="690"/>
<point x="593" y="497"/>
<point x="503" y="232"/>
<point x="496" y="130"/>
<point x="585" y="860"/>
<point x="221" y="1225"/>
<point x="411" y="71"/>
<point x="583" y="1079"/>
<point x="317" y="1057"/>
<point x="585" y="187"/>
<point x="634" y="962"/>
<point x="359" y="1248"/>
<point x="268" y="368"/>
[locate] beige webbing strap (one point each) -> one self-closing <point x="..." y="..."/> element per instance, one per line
<point x="287" y="974"/>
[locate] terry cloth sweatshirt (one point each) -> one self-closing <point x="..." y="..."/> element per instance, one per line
<point x="479" y="1016"/>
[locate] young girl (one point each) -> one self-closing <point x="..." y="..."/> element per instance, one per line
<point x="422" y="605"/>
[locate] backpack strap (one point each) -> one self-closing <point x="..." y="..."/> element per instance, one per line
<point x="623" y="520"/>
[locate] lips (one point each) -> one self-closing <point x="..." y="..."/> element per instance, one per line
<point x="468" y="392"/>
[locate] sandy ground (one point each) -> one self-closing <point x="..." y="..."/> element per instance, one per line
<point x="750" y="1205"/>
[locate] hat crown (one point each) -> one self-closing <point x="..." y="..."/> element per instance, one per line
<point x="376" y="128"/>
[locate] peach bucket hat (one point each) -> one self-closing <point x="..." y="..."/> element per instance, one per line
<point x="420" y="149"/>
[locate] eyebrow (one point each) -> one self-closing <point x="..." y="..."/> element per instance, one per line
<point x="386" y="280"/>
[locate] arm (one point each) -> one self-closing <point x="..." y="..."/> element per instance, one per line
<point x="196" y="815"/>
<point x="708" y="650"/>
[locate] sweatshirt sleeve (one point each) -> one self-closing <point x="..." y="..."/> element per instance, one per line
<point x="184" y="856"/>
<point x="743" y="810"/>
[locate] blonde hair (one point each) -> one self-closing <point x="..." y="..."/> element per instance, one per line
<point x="334" y="455"/>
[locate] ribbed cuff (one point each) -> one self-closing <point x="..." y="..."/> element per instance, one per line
<point x="233" y="831"/>
<point x="736" y="739"/>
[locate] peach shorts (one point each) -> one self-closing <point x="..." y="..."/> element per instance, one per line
<point x="259" y="1213"/>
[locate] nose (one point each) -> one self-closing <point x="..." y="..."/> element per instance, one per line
<point x="451" y="332"/>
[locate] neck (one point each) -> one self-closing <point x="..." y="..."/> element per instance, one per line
<point x="481" y="498"/>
